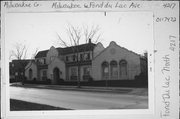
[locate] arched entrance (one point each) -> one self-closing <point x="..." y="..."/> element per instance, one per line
<point x="56" y="75"/>
<point x="30" y="74"/>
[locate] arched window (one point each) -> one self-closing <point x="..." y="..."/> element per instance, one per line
<point x="30" y="74"/>
<point x="123" y="69"/>
<point x="114" y="69"/>
<point x="105" y="70"/>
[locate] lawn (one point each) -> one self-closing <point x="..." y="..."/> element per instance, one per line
<point x="18" y="105"/>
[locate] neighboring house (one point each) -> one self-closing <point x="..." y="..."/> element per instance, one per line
<point x="117" y="63"/>
<point x="17" y="69"/>
<point x="95" y="61"/>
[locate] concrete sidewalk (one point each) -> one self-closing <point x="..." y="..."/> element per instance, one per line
<point x="122" y="90"/>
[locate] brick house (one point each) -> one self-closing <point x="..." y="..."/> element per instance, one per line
<point x="17" y="69"/>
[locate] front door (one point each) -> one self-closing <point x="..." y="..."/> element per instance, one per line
<point x="56" y="75"/>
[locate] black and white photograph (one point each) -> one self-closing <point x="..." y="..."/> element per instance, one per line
<point x="89" y="59"/>
<point x="78" y="60"/>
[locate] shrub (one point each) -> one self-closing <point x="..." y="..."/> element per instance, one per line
<point x="141" y="79"/>
<point x="48" y="81"/>
<point x="34" y="79"/>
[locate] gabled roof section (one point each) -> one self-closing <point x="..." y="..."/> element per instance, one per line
<point x="29" y="64"/>
<point x="41" y="54"/>
<point x="114" y="43"/>
<point x="79" y="48"/>
<point x="69" y="50"/>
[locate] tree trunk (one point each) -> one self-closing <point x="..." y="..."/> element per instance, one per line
<point x="79" y="86"/>
<point x="78" y="78"/>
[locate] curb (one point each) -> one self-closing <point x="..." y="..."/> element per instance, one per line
<point x="129" y="91"/>
<point x="77" y="89"/>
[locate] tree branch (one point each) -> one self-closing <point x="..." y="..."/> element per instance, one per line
<point x="20" y="51"/>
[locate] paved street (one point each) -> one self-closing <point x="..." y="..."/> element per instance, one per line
<point x="79" y="99"/>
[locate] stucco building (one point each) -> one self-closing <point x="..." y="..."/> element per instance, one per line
<point x="91" y="61"/>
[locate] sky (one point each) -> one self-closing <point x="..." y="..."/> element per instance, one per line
<point x="132" y="30"/>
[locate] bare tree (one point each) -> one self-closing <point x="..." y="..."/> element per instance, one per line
<point x="92" y="33"/>
<point x="35" y="53"/>
<point x="19" y="52"/>
<point x="75" y="35"/>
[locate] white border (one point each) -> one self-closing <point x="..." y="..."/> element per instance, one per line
<point x="138" y="113"/>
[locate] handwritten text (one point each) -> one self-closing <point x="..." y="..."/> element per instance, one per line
<point x="22" y="4"/>
<point x="166" y="86"/>
<point x="172" y="44"/>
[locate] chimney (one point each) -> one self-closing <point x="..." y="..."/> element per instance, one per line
<point x="89" y="40"/>
<point x="146" y="54"/>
